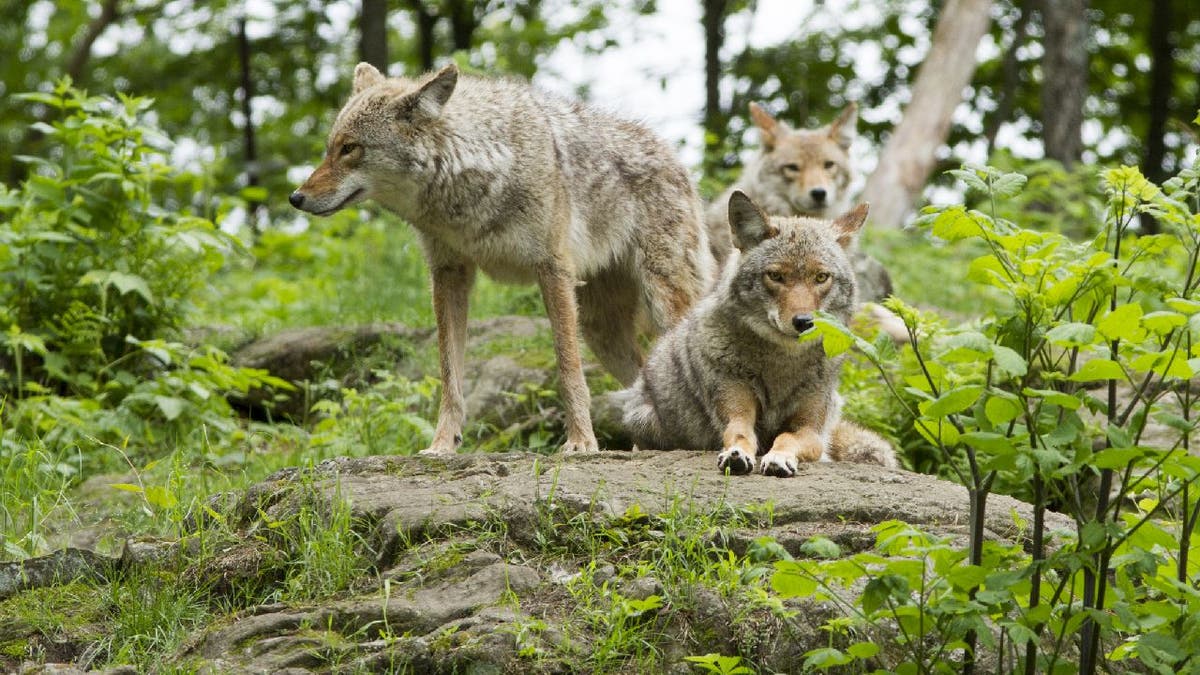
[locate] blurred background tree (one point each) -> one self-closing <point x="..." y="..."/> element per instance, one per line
<point x="245" y="88"/>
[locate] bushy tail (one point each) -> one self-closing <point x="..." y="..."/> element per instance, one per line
<point x="638" y="414"/>
<point x="852" y="443"/>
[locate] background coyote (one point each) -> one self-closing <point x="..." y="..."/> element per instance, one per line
<point x="732" y="376"/>
<point x="800" y="172"/>
<point x="528" y="187"/>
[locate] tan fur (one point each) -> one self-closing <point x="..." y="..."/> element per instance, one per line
<point x="529" y="188"/>
<point x="732" y="376"/>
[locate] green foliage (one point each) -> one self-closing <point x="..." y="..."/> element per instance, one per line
<point x="390" y="417"/>
<point x="90" y="258"/>
<point x="1009" y="404"/>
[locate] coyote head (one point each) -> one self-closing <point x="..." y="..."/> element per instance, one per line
<point x="381" y="144"/>
<point x="791" y="267"/>
<point x="807" y="168"/>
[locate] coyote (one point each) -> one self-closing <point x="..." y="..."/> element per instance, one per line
<point x="497" y="176"/>
<point x="732" y="376"/>
<point x="803" y="172"/>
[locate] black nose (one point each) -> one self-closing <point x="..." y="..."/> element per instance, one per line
<point x="818" y="194"/>
<point x="296" y="199"/>
<point x="802" y="322"/>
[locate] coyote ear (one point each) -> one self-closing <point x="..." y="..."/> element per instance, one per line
<point x="749" y="224"/>
<point x="437" y="90"/>
<point x="366" y="76"/>
<point x="768" y="126"/>
<point x="845" y="127"/>
<point x="848" y="225"/>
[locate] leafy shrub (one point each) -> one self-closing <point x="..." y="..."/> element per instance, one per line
<point x="1075" y="392"/>
<point x="89" y="256"/>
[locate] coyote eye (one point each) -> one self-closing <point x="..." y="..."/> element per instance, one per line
<point x="791" y="168"/>
<point x="775" y="276"/>
<point x="822" y="277"/>
<point x="347" y="149"/>
<point x="829" y="164"/>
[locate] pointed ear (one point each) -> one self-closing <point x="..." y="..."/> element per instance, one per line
<point x="749" y="224"/>
<point x="769" y="127"/>
<point x="366" y="76"/>
<point x="437" y="90"/>
<point x="845" y="127"/>
<point x="848" y="225"/>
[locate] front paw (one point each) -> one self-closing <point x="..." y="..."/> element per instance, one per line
<point x="735" y="461"/>
<point x="442" y="445"/>
<point x="584" y="444"/>
<point x="779" y="464"/>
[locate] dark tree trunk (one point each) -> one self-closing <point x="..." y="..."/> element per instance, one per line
<point x="1010" y="70"/>
<point x="910" y="154"/>
<point x="372" y="44"/>
<point x="426" y="22"/>
<point x="1064" y="78"/>
<point x="462" y="22"/>
<point x="1162" y="48"/>
<point x="248" y="141"/>
<point x="83" y="49"/>
<point x="715" y="118"/>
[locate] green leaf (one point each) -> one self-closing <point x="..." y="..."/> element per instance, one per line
<point x="170" y="406"/>
<point x="1098" y="369"/>
<point x="863" y="650"/>
<point x="1071" y="335"/>
<point x="825" y="658"/>
<point x="989" y="442"/>
<point x="820" y="547"/>
<point x="1122" y="323"/>
<point x="1054" y="397"/>
<point x="953" y="401"/>
<point x="125" y="283"/>
<point x="161" y="497"/>
<point x="792" y="580"/>
<point x="1009" y="361"/>
<point x="1116" y="458"/>
<point x="1163" y="322"/>
<point x="1009" y="184"/>
<point x="126" y="487"/>
<point x="1000" y="410"/>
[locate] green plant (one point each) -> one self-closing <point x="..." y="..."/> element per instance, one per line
<point x="1011" y="404"/>
<point x="89" y="255"/>
<point x="390" y="417"/>
<point x="720" y="665"/>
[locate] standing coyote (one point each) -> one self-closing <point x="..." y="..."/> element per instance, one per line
<point x="732" y="376"/>
<point x="527" y="187"/>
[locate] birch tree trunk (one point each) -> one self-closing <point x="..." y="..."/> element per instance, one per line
<point x="909" y="156"/>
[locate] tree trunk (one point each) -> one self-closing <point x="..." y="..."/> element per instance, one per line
<point x="1064" y="78"/>
<point x="372" y="44"/>
<point x="1010" y="70"/>
<point x="426" y="22"/>
<point x="462" y="22"/>
<point x="715" y="118"/>
<point x="250" y="148"/>
<point x="909" y="156"/>
<point x="1161" y="66"/>
<point x="83" y="49"/>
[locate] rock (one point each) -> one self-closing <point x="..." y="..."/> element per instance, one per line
<point x="60" y="567"/>
<point x="481" y="594"/>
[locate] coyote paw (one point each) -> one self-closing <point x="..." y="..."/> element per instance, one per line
<point x="586" y="444"/>
<point x="779" y="464"/>
<point x="736" y="461"/>
<point x="442" y="446"/>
